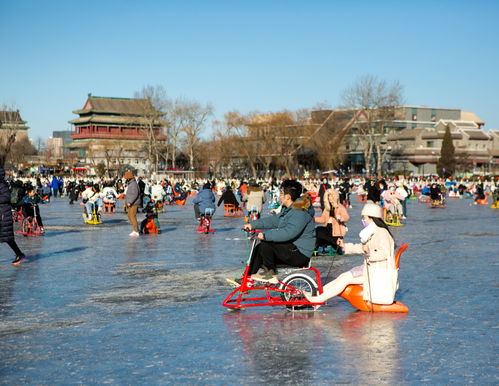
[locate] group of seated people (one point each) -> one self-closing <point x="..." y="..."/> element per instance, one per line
<point x="290" y="237"/>
<point x="253" y="197"/>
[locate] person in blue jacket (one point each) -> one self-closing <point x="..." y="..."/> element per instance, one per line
<point x="287" y="238"/>
<point x="205" y="199"/>
<point x="55" y="186"/>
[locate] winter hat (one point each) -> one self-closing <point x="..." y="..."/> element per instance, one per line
<point x="128" y="175"/>
<point x="207" y="186"/>
<point x="372" y="210"/>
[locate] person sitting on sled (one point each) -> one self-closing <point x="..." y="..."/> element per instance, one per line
<point x="110" y="195"/>
<point x="228" y="197"/>
<point x="91" y="197"/>
<point x="391" y="200"/>
<point x="255" y="197"/>
<point x="334" y="218"/>
<point x="150" y="212"/>
<point x="30" y="207"/>
<point x="435" y="192"/>
<point x="479" y="193"/>
<point x="287" y="238"/>
<point x="378" y="247"/>
<point x="157" y="193"/>
<point x="205" y="199"/>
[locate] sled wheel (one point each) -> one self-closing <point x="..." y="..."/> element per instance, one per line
<point x="35" y="230"/>
<point x="25" y="227"/>
<point x="302" y="283"/>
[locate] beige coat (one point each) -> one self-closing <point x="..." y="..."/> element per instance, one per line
<point x="379" y="252"/>
<point x="255" y="198"/>
<point x="338" y="221"/>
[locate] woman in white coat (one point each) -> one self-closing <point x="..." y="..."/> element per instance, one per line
<point x="378" y="275"/>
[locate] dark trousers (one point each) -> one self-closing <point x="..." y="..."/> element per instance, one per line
<point x="269" y="254"/>
<point x="33" y="211"/>
<point x="197" y="212"/>
<point x="13" y="245"/>
<point x="324" y="237"/>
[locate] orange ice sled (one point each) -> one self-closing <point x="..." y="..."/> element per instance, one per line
<point x="354" y="294"/>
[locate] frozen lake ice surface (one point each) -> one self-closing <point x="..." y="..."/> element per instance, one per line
<point x="92" y="305"/>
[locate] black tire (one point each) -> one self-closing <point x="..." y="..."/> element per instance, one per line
<point x="300" y="282"/>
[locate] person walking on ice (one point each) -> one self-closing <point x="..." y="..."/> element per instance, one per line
<point x="6" y="223"/>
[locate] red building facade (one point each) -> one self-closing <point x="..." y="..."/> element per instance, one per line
<point x="116" y="132"/>
<point x="116" y="118"/>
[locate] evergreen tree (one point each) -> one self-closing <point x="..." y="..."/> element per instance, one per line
<point x="446" y="164"/>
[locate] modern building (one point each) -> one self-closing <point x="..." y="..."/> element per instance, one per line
<point x="418" y="150"/>
<point x="411" y="139"/>
<point x="116" y="132"/>
<point x="55" y="148"/>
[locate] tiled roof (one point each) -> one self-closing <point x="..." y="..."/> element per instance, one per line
<point x="440" y="135"/>
<point x="476" y="134"/>
<point x="120" y="106"/>
<point x="111" y="119"/>
<point x="11" y="117"/>
<point x="470" y="116"/>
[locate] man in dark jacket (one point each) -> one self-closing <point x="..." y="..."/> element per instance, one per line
<point x="228" y="197"/>
<point x="6" y="223"/>
<point x="344" y="190"/>
<point x="142" y="187"/>
<point x="132" y="201"/>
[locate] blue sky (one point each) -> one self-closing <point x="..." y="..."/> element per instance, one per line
<point x="245" y="55"/>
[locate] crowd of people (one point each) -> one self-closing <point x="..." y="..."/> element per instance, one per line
<point x="290" y="235"/>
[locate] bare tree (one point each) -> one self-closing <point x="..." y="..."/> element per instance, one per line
<point x="114" y="152"/>
<point x="177" y="120"/>
<point x="244" y="141"/>
<point x="153" y="110"/>
<point x="379" y="100"/>
<point x="223" y="152"/>
<point x="19" y="150"/>
<point x="13" y="147"/>
<point x="195" y="118"/>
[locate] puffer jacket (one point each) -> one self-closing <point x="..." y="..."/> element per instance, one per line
<point x="132" y="195"/>
<point x="205" y="199"/>
<point x="338" y="221"/>
<point x="293" y="224"/>
<point x="256" y="198"/>
<point x="381" y="252"/>
<point x="6" y="224"/>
